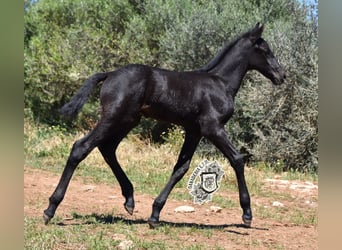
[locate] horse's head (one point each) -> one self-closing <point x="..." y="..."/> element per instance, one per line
<point x="262" y="58"/>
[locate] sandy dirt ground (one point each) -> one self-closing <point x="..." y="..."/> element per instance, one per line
<point x="86" y="199"/>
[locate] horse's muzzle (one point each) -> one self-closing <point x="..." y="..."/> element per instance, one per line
<point x="279" y="78"/>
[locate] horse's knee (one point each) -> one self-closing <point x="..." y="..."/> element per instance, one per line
<point x="238" y="163"/>
<point x="180" y="171"/>
<point x="238" y="159"/>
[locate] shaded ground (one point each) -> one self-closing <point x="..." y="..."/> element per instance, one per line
<point x="87" y="199"/>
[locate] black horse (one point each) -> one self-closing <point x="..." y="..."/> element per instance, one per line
<point x="202" y="101"/>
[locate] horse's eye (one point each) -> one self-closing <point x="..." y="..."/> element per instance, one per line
<point x="260" y="49"/>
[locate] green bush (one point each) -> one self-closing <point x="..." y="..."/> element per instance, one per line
<point x="67" y="41"/>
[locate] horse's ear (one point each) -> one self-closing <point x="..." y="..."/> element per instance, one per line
<point x="256" y="32"/>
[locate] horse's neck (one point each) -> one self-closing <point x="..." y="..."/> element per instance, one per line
<point x="232" y="70"/>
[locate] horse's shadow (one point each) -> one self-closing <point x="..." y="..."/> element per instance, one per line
<point x="95" y="218"/>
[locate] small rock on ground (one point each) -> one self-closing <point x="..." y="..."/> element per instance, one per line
<point x="215" y="209"/>
<point x="277" y="204"/>
<point x="184" y="209"/>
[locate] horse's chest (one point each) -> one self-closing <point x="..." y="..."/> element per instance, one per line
<point x="221" y="108"/>
<point x="226" y="113"/>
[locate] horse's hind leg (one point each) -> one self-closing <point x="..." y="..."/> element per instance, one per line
<point x="79" y="151"/>
<point x="107" y="150"/>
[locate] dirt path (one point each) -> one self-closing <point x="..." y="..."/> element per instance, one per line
<point x="85" y="198"/>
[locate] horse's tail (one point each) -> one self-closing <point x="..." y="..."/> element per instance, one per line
<point x="73" y="107"/>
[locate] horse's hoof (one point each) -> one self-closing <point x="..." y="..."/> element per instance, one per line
<point x="153" y="223"/>
<point x="129" y="205"/>
<point x="247" y="222"/>
<point x="46" y="218"/>
<point x="129" y="210"/>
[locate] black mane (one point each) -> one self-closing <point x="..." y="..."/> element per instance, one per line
<point x="216" y="60"/>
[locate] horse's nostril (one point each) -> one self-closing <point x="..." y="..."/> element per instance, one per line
<point x="284" y="76"/>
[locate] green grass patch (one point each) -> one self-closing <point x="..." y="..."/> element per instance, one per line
<point x="107" y="232"/>
<point x="291" y="216"/>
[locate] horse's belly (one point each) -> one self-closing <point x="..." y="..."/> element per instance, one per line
<point x="176" y="115"/>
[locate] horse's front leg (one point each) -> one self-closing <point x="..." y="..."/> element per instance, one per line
<point x="218" y="136"/>
<point x="190" y="143"/>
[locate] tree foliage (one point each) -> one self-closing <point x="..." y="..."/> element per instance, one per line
<point x="67" y="41"/>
